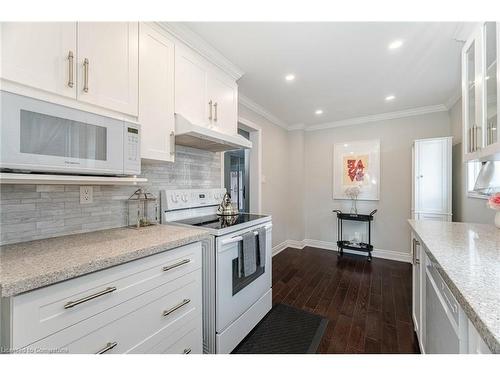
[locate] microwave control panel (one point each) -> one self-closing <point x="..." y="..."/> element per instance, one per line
<point x="133" y="143"/>
<point x="132" y="149"/>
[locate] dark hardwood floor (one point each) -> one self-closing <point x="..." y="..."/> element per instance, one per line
<point x="368" y="304"/>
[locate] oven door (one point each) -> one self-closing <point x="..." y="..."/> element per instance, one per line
<point x="45" y="137"/>
<point x="235" y="293"/>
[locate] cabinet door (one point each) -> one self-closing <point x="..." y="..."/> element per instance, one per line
<point x="108" y="65"/>
<point x="38" y="55"/>
<point x="156" y="95"/>
<point x="191" y="99"/>
<point x="433" y="175"/>
<point x="472" y="95"/>
<point x="490" y="105"/>
<point x="416" y="301"/>
<point x="224" y="94"/>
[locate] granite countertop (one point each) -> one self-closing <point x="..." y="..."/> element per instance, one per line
<point x="468" y="257"/>
<point x="31" y="265"/>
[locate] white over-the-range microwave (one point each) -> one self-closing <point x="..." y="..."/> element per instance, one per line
<point x="38" y="136"/>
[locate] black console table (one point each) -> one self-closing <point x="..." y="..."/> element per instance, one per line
<point x="343" y="244"/>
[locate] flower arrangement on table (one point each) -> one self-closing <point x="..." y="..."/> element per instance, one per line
<point x="353" y="192"/>
<point x="494" y="204"/>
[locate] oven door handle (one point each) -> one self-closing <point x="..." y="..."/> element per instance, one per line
<point x="239" y="238"/>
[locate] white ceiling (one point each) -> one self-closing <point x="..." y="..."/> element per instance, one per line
<point x="346" y="68"/>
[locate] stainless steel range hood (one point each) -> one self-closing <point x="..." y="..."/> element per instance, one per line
<point x="488" y="179"/>
<point x="191" y="135"/>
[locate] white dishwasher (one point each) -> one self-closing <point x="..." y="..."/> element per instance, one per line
<point x="446" y="322"/>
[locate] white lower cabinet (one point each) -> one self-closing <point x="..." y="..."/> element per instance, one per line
<point x="476" y="344"/>
<point x="151" y="305"/>
<point x="440" y="323"/>
<point x="418" y="292"/>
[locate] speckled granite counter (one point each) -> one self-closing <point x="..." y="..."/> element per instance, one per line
<point x="469" y="258"/>
<point x="30" y="265"/>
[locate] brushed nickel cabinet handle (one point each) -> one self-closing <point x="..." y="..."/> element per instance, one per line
<point x="178" y="264"/>
<point x="86" y="75"/>
<point x="71" y="304"/>
<point x="187" y="351"/>
<point x="414" y="250"/>
<point x="71" y="82"/>
<point x="469" y="148"/>
<point x="176" y="307"/>
<point x="210" y="108"/>
<point x="215" y="107"/>
<point x="172" y="143"/>
<point x="107" y="348"/>
<point x="415" y="244"/>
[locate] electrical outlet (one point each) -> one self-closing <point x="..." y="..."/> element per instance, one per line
<point x="86" y="194"/>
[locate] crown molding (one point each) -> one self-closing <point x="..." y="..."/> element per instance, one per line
<point x="198" y="44"/>
<point x="250" y="104"/>
<point x="453" y="100"/>
<point x="464" y="30"/>
<point x="296" y="127"/>
<point x="380" y="117"/>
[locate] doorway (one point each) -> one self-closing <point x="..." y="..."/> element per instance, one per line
<point x="237" y="175"/>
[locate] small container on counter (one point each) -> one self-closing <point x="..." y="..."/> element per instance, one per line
<point x="142" y="209"/>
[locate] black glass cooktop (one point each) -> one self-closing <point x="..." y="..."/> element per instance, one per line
<point x="219" y="222"/>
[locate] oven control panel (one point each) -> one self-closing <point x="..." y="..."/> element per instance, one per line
<point x="190" y="198"/>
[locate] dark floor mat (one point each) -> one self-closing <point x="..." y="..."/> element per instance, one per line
<point x="284" y="330"/>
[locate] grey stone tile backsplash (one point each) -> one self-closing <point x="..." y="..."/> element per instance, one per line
<point x="30" y="212"/>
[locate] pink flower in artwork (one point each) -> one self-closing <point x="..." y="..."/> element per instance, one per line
<point x="494" y="201"/>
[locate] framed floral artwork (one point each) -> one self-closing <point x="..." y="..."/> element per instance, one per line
<point x="356" y="165"/>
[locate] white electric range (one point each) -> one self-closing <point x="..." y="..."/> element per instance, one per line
<point x="232" y="303"/>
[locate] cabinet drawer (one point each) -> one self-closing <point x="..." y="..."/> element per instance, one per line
<point x="165" y="310"/>
<point x="184" y="339"/>
<point x="45" y="311"/>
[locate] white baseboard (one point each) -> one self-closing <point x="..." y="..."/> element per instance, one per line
<point x="376" y="253"/>
<point x="288" y="243"/>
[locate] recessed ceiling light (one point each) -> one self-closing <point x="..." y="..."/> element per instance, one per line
<point x="319" y="112"/>
<point x="389" y="98"/>
<point x="289" y="77"/>
<point x="396" y="44"/>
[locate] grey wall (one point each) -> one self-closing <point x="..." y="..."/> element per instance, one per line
<point x="391" y="230"/>
<point x="29" y="212"/>
<point x="465" y="209"/>
<point x="296" y="185"/>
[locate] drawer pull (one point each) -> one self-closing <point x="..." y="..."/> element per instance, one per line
<point x="187" y="351"/>
<point x="168" y="268"/>
<point x="107" y="348"/>
<point x="176" y="307"/>
<point x="71" y="304"/>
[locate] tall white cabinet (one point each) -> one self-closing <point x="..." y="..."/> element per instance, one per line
<point x="431" y="172"/>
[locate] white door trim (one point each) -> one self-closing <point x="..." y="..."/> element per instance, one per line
<point x="255" y="164"/>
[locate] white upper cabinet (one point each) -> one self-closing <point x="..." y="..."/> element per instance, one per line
<point x="223" y="94"/>
<point x="156" y="95"/>
<point x="41" y="55"/>
<point x="480" y="86"/>
<point x="191" y="98"/>
<point x="108" y="65"/>
<point x="204" y="95"/>
<point x="490" y="82"/>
